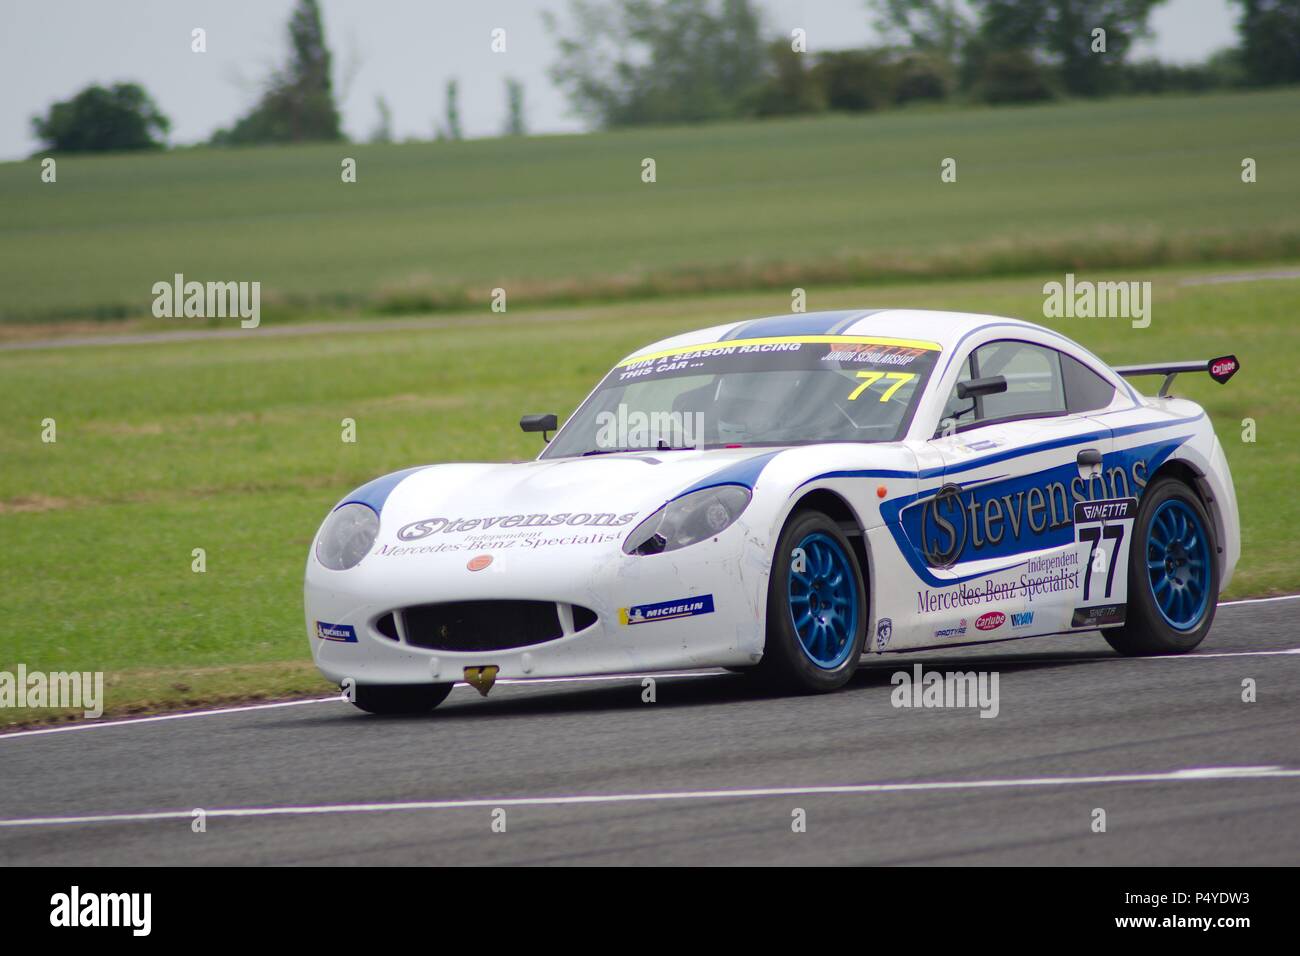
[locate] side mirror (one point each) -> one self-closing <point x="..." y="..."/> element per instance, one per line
<point x="977" y="387"/>
<point x="539" y="423"/>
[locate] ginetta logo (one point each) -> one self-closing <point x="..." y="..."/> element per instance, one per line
<point x="990" y="621"/>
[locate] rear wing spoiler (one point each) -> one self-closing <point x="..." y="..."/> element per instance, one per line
<point x="1221" y="369"/>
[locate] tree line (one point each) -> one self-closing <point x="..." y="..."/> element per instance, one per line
<point x="631" y="62"/>
<point x="636" y="62"/>
<point x="297" y="104"/>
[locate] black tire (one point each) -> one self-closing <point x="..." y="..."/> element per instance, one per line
<point x="400" y="698"/>
<point x="1145" y="630"/>
<point x="785" y="665"/>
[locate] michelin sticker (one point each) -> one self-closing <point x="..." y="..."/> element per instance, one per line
<point x="343" y="633"/>
<point x="666" y="610"/>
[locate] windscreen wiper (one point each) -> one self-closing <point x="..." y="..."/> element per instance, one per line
<point x="663" y="446"/>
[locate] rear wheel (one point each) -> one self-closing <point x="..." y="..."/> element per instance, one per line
<point x="816" y="607"/>
<point x="400" y="698"/>
<point x="1173" y="583"/>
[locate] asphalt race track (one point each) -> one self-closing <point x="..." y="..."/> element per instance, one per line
<point x="586" y="772"/>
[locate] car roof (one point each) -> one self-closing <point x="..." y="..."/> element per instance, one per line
<point x="944" y="329"/>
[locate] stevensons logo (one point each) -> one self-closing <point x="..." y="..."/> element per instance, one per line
<point x="957" y="525"/>
<point x="428" y="526"/>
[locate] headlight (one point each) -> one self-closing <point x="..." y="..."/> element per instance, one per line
<point x="688" y="519"/>
<point x="347" y="536"/>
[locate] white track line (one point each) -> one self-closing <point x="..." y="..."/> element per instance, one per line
<point x="1172" y="776"/>
<point x="1201" y="657"/>
<point x="241" y="708"/>
<point x="879" y="664"/>
<point x="94" y="725"/>
<point x="1264" y="600"/>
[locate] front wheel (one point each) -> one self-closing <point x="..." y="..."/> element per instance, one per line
<point x="1173" y="582"/>
<point x="399" y="698"/>
<point x="816" y="608"/>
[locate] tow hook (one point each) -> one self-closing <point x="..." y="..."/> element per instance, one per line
<point x="481" y="678"/>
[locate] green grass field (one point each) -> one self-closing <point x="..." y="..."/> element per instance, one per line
<point x="1129" y="182"/>
<point x="235" y="447"/>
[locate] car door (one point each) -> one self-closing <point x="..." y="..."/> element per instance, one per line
<point x="1015" y="462"/>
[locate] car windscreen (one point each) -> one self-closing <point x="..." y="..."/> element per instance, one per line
<point x="793" y="390"/>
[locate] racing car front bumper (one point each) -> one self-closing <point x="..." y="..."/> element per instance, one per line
<point x="701" y="606"/>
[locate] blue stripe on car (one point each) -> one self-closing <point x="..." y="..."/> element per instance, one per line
<point x="373" y="494"/>
<point x="852" y="319"/>
<point x="806" y="323"/>
<point x="1004" y="455"/>
<point x="744" y="473"/>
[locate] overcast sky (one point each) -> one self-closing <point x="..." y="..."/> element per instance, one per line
<point x="404" y="50"/>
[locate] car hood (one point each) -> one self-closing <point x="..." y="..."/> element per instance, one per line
<point x="602" y="495"/>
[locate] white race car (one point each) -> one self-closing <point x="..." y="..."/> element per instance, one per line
<point x="781" y="496"/>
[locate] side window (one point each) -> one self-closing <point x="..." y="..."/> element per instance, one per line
<point x="1035" y="385"/>
<point x="1033" y="373"/>
<point x="1085" y="390"/>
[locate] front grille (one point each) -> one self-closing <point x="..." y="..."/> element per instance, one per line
<point x="583" y="617"/>
<point x="387" y="627"/>
<point x="485" y="625"/>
